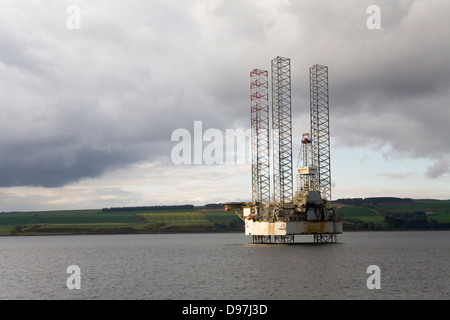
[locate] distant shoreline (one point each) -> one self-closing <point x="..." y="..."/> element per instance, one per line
<point x="205" y="232"/>
<point x="369" y="214"/>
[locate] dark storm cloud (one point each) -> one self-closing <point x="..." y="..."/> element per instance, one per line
<point x="77" y="103"/>
<point x="392" y="87"/>
<point x="58" y="167"/>
<point x="74" y="139"/>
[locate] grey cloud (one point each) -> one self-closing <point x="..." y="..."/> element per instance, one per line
<point x="394" y="90"/>
<point x="58" y="167"/>
<point x="439" y="168"/>
<point x="398" y="175"/>
<point x="78" y="103"/>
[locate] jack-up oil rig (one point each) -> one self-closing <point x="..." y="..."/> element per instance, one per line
<point x="309" y="210"/>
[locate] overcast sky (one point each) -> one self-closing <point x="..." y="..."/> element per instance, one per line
<point x="87" y="114"/>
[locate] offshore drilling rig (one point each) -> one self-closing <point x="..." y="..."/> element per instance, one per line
<point x="309" y="210"/>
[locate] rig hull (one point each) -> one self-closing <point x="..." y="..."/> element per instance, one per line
<point x="282" y="228"/>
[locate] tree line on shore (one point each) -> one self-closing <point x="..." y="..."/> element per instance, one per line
<point x="373" y="201"/>
<point x="150" y="208"/>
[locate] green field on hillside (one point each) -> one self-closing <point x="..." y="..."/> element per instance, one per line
<point x="97" y="221"/>
<point x="356" y="211"/>
<point x="438" y="210"/>
<point x="435" y="213"/>
<point x="66" y="217"/>
<point x="174" y="218"/>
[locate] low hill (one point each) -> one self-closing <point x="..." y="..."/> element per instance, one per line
<point x="149" y="219"/>
<point x="357" y="214"/>
<point x="387" y="213"/>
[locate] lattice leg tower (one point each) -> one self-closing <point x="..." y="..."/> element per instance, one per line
<point x="282" y="130"/>
<point x="289" y="238"/>
<point x="325" y="238"/>
<point x="260" y="135"/>
<point x="320" y="124"/>
<point x="262" y="239"/>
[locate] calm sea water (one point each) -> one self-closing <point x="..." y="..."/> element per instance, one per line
<point x="413" y="265"/>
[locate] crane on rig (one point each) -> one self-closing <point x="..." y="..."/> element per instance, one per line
<point x="285" y="214"/>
